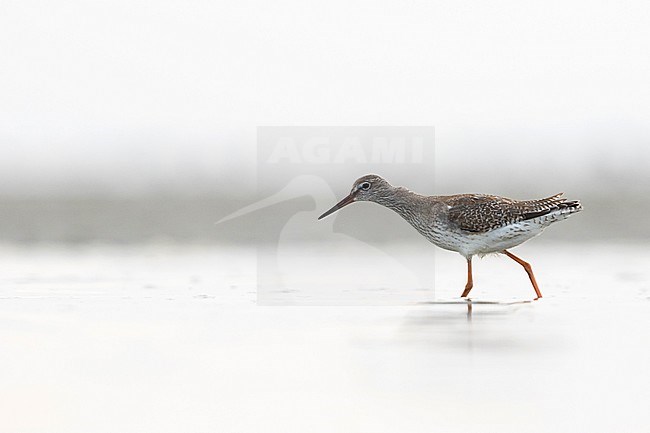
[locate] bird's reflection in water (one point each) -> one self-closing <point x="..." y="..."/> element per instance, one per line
<point x="470" y="303"/>
<point x="446" y="310"/>
<point x="466" y="325"/>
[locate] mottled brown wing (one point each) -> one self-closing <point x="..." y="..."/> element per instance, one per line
<point x="481" y="213"/>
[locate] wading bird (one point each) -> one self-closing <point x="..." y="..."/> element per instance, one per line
<point x="470" y="224"/>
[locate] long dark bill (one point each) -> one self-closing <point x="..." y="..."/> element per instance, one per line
<point x="346" y="201"/>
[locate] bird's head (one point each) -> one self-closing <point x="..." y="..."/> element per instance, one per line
<point x="367" y="188"/>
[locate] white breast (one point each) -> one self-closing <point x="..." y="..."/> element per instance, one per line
<point x="492" y="241"/>
<point x="500" y="239"/>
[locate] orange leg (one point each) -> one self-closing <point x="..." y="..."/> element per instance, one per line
<point x="470" y="283"/>
<point x="528" y="269"/>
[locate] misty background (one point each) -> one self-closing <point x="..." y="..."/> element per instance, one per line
<point x="137" y="121"/>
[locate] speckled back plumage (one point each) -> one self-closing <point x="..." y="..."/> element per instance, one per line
<point x="479" y="213"/>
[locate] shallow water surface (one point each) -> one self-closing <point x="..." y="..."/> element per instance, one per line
<point x="172" y="339"/>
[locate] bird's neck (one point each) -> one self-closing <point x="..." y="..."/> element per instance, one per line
<point x="406" y="203"/>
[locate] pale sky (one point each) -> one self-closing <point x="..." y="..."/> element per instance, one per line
<point x="130" y="97"/>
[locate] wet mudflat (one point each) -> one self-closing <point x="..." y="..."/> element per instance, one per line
<point x="166" y="338"/>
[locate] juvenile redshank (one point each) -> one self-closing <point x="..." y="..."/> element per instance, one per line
<point x="470" y="224"/>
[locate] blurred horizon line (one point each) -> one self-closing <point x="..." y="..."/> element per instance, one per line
<point x="188" y="220"/>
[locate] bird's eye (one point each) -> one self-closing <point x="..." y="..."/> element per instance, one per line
<point x="365" y="186"/>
